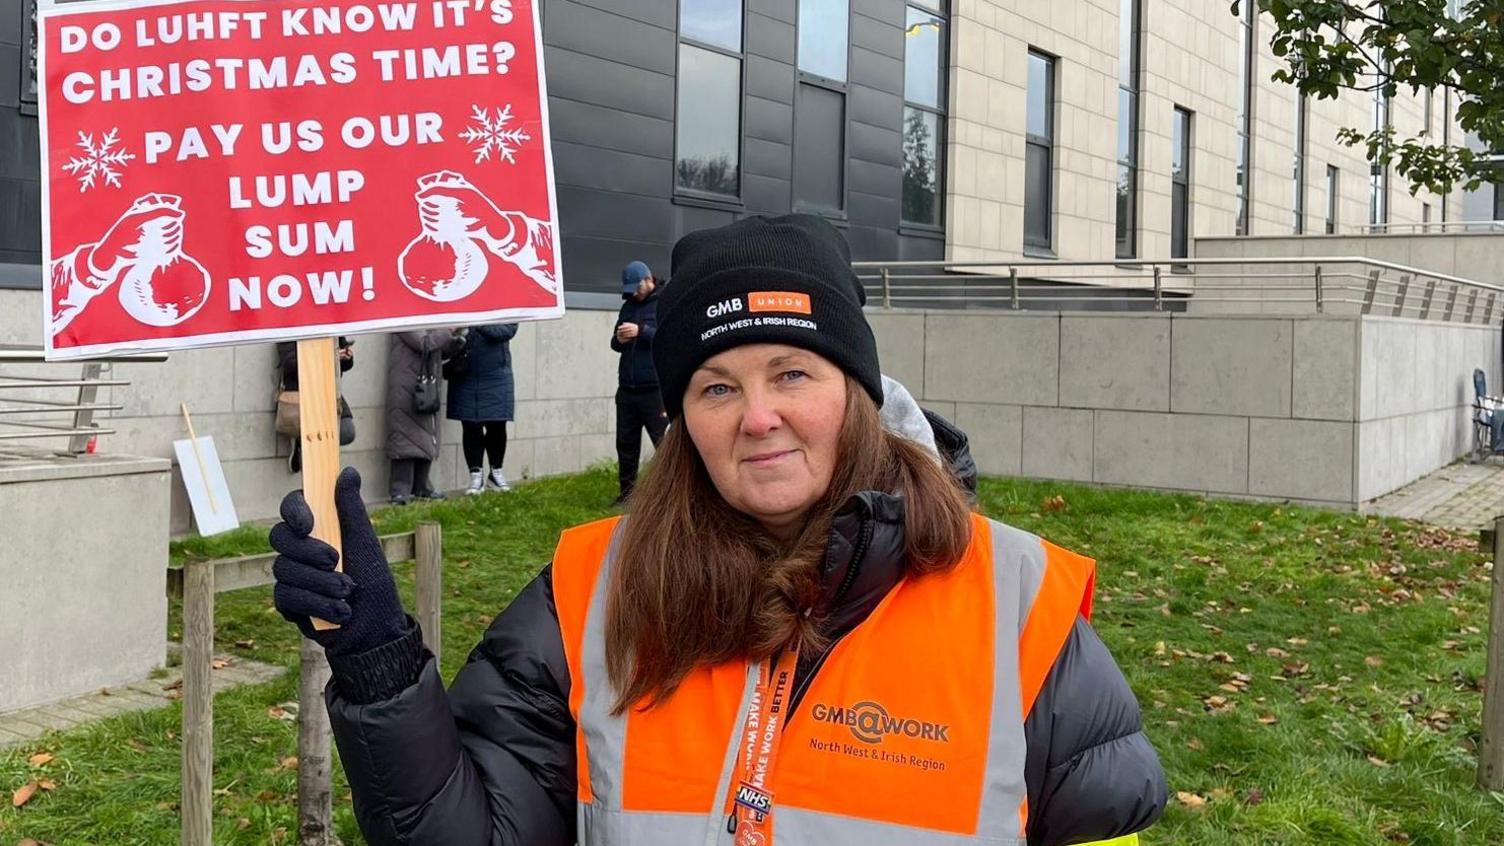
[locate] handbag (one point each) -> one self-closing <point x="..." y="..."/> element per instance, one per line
<point x="426" y="392"/>
<point x="456" y="365"/>
<point x="289" y="422"/>
<point x="346" y="423"/>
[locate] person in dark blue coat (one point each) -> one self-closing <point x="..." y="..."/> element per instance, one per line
<point x="481" y="398"/>
<point x="638" y="403"/>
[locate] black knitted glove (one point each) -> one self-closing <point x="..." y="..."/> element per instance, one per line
<point x="362" y="600"/>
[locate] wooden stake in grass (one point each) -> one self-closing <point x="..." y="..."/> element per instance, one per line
<point x="1491" y="750"/>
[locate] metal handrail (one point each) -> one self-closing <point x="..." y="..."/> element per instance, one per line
<point x="1448" y="227"/>
<point x="79" y="426"/>
<point x="1373" y="285"/>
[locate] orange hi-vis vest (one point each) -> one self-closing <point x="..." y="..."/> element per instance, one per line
<point x="911" y="732"/>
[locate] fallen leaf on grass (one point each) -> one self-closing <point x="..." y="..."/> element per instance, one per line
<point x="1254" y="796"/>
<point x="1377" y="762"/>
<point x="1190" y="800"/>
<point x="136" y="745"/>
<point x="1054" y="504"/>
<point x="243" y="823"/>
<point x="249" y="643"/>
<point x="23" y="794"/>
<point x="1298" y="669"/>
<point x="1268" y="720"/>
<point x="290" y="762"/>
<point x="47" y="784"/>
<point x="219" y="663"/>
<point x="1276" y="652"/>
<point x="1374" y="661"/>
<point x="1196" y="744"/>
<point x="39" y="759"/>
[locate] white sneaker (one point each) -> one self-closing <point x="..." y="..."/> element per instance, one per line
<point x="477" y="483"/>
<point x="499" y="481"/>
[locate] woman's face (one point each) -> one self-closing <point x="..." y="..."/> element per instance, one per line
<point x="766" y="419"/>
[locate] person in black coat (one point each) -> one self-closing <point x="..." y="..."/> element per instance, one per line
<point x="412" y="436"/>
<point x="481" y="399"/>
<point x="638" y="404"/>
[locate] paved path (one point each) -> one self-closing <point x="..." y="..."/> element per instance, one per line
<point x="17" y="727"/>
<point x="1458" y="496"/>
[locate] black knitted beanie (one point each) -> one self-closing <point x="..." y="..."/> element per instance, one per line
<point x="782" y="280"/>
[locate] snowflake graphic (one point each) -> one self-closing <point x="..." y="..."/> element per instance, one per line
<point x="104" y="159"/>
<point x="492" y="135"/>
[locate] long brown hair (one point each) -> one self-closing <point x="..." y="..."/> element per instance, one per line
<point x="697" y="582"/>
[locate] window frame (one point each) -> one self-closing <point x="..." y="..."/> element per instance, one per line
<point x="1248" y="53"/>
<point x="1052" y="81"/>
<point x="940" y="9"/>
<point x="1133" y="87"/>
<point x="1333" y="200"/>
<point x="1182" y="179"/>
<point x="841" y="87"/>
<point x="29" y="84"/>
<point x="1302" y="153"/>
<point x="694" y="196"/>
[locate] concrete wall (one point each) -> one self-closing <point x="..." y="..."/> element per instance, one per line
<point x="86" y="611"/>
<point x="1469" y="255"/>
<point x="1417" y="393"/>
<point x="1330" y="410"/>
<point x="565" y="383"/>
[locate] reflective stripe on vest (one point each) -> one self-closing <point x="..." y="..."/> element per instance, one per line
<point x="911" y="732"/>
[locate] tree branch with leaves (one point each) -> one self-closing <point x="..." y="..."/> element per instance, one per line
<point x="1331" y="46"/>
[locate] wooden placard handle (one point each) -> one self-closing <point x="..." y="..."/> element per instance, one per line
<point x="318" y="413"/>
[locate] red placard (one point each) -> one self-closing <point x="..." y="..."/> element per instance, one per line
<point x="222" y="171"/>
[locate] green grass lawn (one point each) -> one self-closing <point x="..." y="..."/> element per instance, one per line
<point x="1308" y="677"/>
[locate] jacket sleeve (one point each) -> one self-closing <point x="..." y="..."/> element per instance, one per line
<point x="497" y="331"/>
<point x="649" y="326"/>
<point x="621" y="317"/>
<point x="1090" y="771"/>
<point x="489" y="763"/>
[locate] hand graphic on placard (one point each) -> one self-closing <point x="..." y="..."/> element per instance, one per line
<point x="142" y="255"/>
<point x="461" y="230"/>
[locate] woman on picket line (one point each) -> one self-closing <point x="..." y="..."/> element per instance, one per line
<point x="799" y="633"/>
<point x="415" y="363"/>
<point x="480" y="397"/>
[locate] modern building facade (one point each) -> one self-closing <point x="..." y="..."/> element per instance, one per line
<point x="960" y="130"/>
<point x="926" y="129"/>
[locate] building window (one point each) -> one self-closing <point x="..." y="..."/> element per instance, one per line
<point x="1378" y="174"/>
<point x="29" y="86"/>
<point x="819" y="148"/>
<point x="1302" y="143"/>
<point x="1425" y="217"/>
<point x="1247" y="51"/>
<point x="1499" y="201"/>
<point x="1180" y="186"/>
<point x="824" y="30"/>
<point x="708" y="131"/>
<point x="1446" y="141"/>
<point x="1129" y="37"/>
<point x="1333" y="184"/>
<point x="924" y="114"/>
<point x="820" y="106"/>
<point x="1429" y="111"/>
<point x="1039" y="153"/>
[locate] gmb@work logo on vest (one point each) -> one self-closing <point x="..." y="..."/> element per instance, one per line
<point x="870" y="723"/>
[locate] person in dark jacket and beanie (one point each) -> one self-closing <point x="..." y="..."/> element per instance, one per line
<point x="481" y="398"/>
<point x="799" y="632"/>
<point x="412" y="437"/>
<point x="638" y="403"/>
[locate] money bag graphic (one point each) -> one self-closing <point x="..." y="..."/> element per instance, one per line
<point x="163" y="286"/>
<point x="444" y="263"/>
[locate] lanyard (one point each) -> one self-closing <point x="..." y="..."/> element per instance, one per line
<point x="750" y="805"/>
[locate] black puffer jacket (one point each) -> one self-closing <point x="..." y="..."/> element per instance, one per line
<point x="635" y="370"/>
<point x="492" y="761"/>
